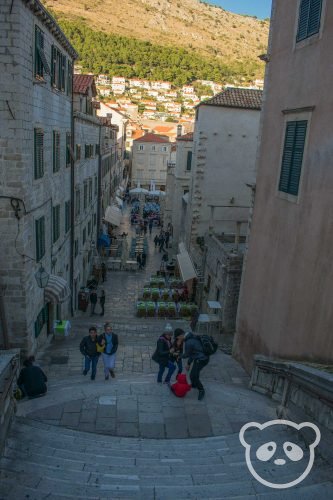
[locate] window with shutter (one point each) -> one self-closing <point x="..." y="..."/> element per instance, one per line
<point x="95" y="187"/>
<point x="68" y="149"/>
<point x="309" y="18"/>
<point x="76" y="248"/>
<point x="63" y="61"/>
<point x="189" y="160"/>
<point x="77" y="202"/>
<point x="78" y="152"/>
<point x="67" y="216"/>
<point x="40" y="238"/>
<point x="56" y="223"/>
<point x="58" y="69"/>
<point x="85" y="195"/>
<point x="69" y="78"/>
<point x="293" y="157"/>
<point x="89" y="228"/>
<point x="41" y="64"/>
<point x="38" y="153"/>
<point x="84" y="236"/>
<point x="90" y="190"/>
<point x="56" y="151"/>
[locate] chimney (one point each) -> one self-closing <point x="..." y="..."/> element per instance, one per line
<point x="179" y="130"/>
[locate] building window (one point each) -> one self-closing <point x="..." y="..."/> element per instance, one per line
<point x="56" y="151"/>
<point x="39" y="153"/>
<point x="292" y="157"/>
<point x="40" y="238"/>
<point x="77" y="202"/>
<point x="90" y="190"/>
<point x="68" y="149"/>
<point x="76" y="248"/>
<point x="41" y="63"/>
<point x="84" y="236"/>
<point x="67" y="216"/>
<point x="189" y="161"/>
<point x="153" y="148"/>
<point x="85" y="195"/>
<point x="89" y="228"/>
<point x="164" y="149"/>
<point x="56" y="223"/>
<point x="141" y="147"/>
<point x="309" y="18"/>
<point x="69" y="78"/>
<point x="95" y="187"/>
<point x="78" y="152"/>
<point x="58" y="69"/>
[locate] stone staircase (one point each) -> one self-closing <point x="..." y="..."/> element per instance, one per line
<point x="41" y="461"/>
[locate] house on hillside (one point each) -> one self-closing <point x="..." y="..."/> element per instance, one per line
<point x="187" y="89"/>
<point x="150" y="155"/>
<point x="36" y="148"/>
<point x="285" y="308"/>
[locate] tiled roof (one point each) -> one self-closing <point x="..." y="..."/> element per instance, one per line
<point x="236" y="98"/>
<point x="163" y="128"/>
<point x="82" y="83"/>
<point x="153" y="138"/>
<point x="186" y="137"/>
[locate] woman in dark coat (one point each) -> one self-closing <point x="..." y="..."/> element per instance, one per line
<point x="164" y="355"/>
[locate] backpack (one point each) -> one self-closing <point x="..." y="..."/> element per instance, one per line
<point x="209" y="346"/>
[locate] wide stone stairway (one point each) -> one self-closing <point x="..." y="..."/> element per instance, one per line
<point x="129" y="437"/>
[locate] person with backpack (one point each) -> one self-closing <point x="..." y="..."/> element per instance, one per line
<point x="32" y="380"/>
<point x="198" y="348"/>
<point x="163" y="355"/>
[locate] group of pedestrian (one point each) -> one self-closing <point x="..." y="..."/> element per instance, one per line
<point x="93" y="346"/>
<point x="162" y="240"/>
<point x="94" y="299"/>
<point x="169" y="354"/>
<point x="141" y="259"/>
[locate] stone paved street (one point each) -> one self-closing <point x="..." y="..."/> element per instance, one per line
<point x="133" y="404"/>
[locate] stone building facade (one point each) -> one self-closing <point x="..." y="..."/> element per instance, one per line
<point x="178" y="186"/>
<point x="285" y="301"/>
<point x="150" y="157"/>
<point x="35" y="177"/>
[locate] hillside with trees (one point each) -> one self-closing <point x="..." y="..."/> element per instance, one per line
<point x="189" y="33"/>
<point x="117" y="55"/>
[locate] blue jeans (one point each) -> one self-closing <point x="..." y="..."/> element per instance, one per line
<point x="171" y="368"/>
<point x="180" y="365"/>
<point x="93" y="360"/>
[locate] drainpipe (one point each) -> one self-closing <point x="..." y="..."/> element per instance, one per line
<point x="72" y="234"/>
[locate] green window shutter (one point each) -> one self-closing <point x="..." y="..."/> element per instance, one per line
<point x="39" y="41"/>
<point x="78" y="152"/>
<point x="68" y="148"/>
<point x="53" y="66"/>
<point x="56" y="223"/>
<point x="38" y="153"/>
<point x="67" y="216"/>
<point x="85" y="195"/>
<point x="69" y="78"/>
<point x="40" y="238"/>
<point x="84" y="236"/>
<point x="189" y="160"/>
<point x="63" y="60"/>
<point x="309" y="18"/>
<point x="56" y="151"/>
<point x="293" y="157"/>
<point x="314" y="17"/>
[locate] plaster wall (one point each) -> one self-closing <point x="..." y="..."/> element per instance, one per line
<point x="285" y="307"/>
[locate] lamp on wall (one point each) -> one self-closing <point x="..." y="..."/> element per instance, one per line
<point x="42" y="277"/>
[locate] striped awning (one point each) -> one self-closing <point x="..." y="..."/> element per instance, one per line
<point x="56" y="290"/>
<point x="186" y="267"/>
<point x="113" y="215"/>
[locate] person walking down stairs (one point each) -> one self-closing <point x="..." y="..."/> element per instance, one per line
<point x="197" y="359"/>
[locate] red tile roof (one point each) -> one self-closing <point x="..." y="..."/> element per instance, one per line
<point x="163" y="128"/>
<point x="153" y="138"/>
<point x="82" y="83"/>
<point x="236" y="98"/>
<point x="186" y="137"/>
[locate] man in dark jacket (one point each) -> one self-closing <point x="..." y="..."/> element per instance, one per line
<point x="163" y="355"/>
<point x="88" y="348"/>
<point x="32" y="380"/>
<point x="197" y="358"/>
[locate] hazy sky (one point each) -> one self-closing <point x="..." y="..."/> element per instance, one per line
<point x="259" y="8"/>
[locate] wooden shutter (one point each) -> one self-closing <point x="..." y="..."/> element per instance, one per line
<point x="53" y="66"/>
<point x="314" y="17"/>
<point x="68" y="148"/>
<point x="63" y="60"/>
<point x="56" y="151"/>
<point x="67" y="216"/>
<point x="69" y="78"/>
<point x="292" y="157"/>
<point x="40" y="238"/>
<point x="189" y="160"/>
<point x="303" y="19"/>
<point x="56" y="223"/>
<point x="38" y="153"/>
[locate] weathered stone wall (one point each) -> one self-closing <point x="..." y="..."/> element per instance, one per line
<point x="9" y="367"/>
<point x="26" y="104"/>
<point x="224" y="267"/>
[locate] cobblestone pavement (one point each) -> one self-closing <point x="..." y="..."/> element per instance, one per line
<point x="133" y="404"/>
